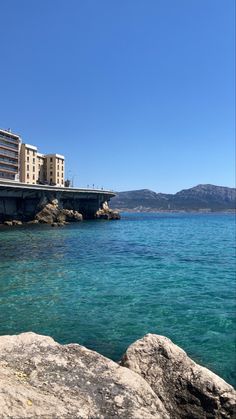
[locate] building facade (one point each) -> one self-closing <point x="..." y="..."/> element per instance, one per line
<point x="28" y="164"/>
<point x="55" y="169"/>
<point x="23" y="162"/>
<point x="41" y="168"/>
<point x="9" y="155"/>
<point x="41" y="172"/>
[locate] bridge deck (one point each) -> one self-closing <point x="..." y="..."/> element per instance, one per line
<point x="25" y="186"/>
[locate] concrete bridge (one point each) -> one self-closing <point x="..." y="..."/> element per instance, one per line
<point x="21" y="201"/>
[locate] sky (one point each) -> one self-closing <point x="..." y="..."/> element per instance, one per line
<point x="135" y="93"/>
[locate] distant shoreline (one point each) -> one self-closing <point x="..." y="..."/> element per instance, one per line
<point x="186" y="211"/>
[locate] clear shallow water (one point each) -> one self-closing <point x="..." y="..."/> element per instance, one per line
<point x="105" y="284"/>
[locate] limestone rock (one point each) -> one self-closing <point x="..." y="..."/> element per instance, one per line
<point x="106" y="213"/>
<point x="186" y="389"/>
<point x="40" y="378"/>
<point x="8" y="223"/>
<point x="48" y="214"/>
<point x="52" y="213"/>
<point x="17" y="222"/>
<point x="55" y="202"/>
<point x="71" y="215"/>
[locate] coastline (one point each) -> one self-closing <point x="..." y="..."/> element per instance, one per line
<point x="184" y="211"/>
<point x="154" y="379"/>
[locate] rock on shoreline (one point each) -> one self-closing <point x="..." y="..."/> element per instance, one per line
<point x="105" y="213"/>
<point x="41" y="378"/>
<point x="52" y="213"/>
<point x="186" y="389"/>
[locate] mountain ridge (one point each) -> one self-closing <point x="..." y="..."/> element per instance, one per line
<point x="205" y="197"/>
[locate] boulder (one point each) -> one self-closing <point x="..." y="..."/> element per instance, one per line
<point x="155" y="379"/>
<point x="52" y="213"/>
<point x="106" y="213"/>
<point x="40" y="378"/>
<point x="8" y="223"/>
<point x="78" y="216"/>
<point x="48" y="214"/>
<point x="71" y="215"/>
<point x="186" y="389"/>
<point x="17" y="222"/>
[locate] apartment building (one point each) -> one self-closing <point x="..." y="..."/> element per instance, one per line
<point x="28" y="164"/>
<point x="23" y="162"/>
<point x="55" y="169"/>
<point x="41" y="168"/>
<point x="9" y="155"/>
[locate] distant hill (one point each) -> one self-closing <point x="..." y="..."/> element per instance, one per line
<point x="200" y="197"/>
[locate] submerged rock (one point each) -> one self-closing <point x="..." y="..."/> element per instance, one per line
<point x="186" y="389"/>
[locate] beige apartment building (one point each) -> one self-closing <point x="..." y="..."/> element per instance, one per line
<point x="28" y="164"/>
<point x="9" y="155"/>
<point x="23" y="162"/>
<point x="41" y="168"/>
<point x="54" y="167"/>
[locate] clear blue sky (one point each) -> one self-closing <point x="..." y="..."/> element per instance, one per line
<point x="135" y="93"/>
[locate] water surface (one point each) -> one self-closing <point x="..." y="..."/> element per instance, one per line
<point x="105" y="284"/>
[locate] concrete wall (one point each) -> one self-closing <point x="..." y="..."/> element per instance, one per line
<point x="23" y="203"/>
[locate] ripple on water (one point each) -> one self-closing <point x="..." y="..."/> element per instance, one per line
<point x="106" y="284"/>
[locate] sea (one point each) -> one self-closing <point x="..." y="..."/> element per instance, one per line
<point x="105" y="284"/>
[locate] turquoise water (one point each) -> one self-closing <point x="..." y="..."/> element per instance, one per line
<point x="105" y="284"/>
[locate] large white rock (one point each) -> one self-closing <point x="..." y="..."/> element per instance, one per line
<point x="186" y="389"/>
<point x="41" y="379"/>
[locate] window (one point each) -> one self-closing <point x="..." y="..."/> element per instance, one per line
<point x="27" y="151"/>
<point x="58" y="174"/>
<point x="33" y="160"/>
<point x="27" y="167"/>
<point x="58" y="181"/>
<point x="33" y="153"/>
<point x="27" y="175"/>
<point x="51" y="173"/>
<point x="33" y="177"/>
<point x="33" y="168"/>
<point x="51" y="159"/>
<point x="27" y="159"/>
<point x="58" y="167"/>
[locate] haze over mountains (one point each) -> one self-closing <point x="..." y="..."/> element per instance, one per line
<point x="200" y="197"/>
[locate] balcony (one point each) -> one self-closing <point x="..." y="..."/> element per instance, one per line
<point x="10" y="146"/>
<point x="9" y="139"/>
<point x="11" y="163"/>
<point x="8" y="153"/>
<point x="8" y="167"/>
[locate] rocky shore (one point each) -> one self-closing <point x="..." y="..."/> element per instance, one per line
<point x="107" y="213"/>
<point x="40" y="378"/>
<point x="52" y="213"/>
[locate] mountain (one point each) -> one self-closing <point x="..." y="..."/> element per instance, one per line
<point x="200" y="197"/>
